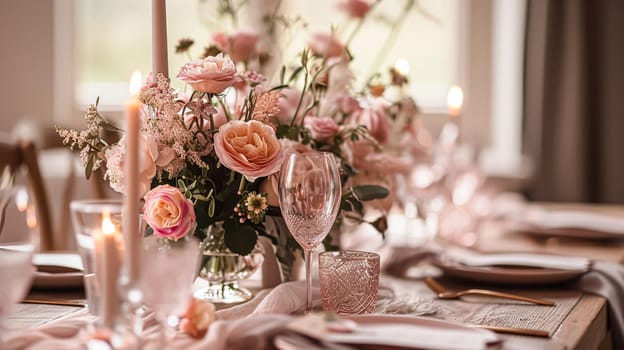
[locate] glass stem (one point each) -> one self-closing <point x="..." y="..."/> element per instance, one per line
<point x="308" y="267"/>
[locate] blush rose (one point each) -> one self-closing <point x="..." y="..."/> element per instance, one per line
<point x="321" y="128"/>
<point x="213" y="74"/>
<point x="240" y="45"/>
<point x="325" y="45"/>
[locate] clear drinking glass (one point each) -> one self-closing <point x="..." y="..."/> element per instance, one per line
<point x="168" y="269"/>
<point x="349" y="281"/>
<point x="87" y="218"/>
<point x="309" y="197"/>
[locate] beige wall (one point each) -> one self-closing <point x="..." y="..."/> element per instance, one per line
<point x="26" y="65"/>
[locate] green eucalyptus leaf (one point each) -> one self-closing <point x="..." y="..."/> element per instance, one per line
<point x="211" y="207"/>
<point x="370" y="192"/>
<point x="89" y="166"/>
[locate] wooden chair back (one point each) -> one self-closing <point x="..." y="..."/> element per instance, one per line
<point x="22" y="154"/>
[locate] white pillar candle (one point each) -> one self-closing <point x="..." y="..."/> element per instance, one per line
<point x="159" y="38"/>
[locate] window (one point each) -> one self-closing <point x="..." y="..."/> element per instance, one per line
<point x="113" y="38"/>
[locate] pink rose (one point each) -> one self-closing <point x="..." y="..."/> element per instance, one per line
<point x="250" y="148"/>
<point x="349" y="104"/>
<point x="322" y="128"/>
<point x="355" y="8"/>
<point x="168" y="212"/>
<point x="241" y="45"/>
<point x="151" y="156"/>
<point x="287" y="104"/>
<point x="325" y="45"/>
<point x="376" y="119"/>
<point x="212" y="74"/>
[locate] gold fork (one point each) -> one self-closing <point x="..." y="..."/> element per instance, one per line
<point x="444" y="293"/>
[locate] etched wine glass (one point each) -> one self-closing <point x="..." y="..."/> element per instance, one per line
<point x="309" y="197"/>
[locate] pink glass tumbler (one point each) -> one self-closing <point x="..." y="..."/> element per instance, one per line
<point x="349" y="281"/>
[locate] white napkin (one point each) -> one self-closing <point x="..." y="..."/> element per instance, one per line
<point x="471" y="258"/>
<point x="558" y="219"/>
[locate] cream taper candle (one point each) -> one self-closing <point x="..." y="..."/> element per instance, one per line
<point x="106" y="256"/>
<point x="132" y="236"/>
<point x="159" y="38"/>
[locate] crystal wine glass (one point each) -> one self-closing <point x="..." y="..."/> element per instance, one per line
<point x="167" y="272"/>
<point x="309" y="197"/>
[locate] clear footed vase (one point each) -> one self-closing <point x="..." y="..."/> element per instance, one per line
<point x="223" y="269"/>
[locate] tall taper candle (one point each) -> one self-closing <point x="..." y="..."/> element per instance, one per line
<point x="159" y="38"/>
<point x="132" y="236"/>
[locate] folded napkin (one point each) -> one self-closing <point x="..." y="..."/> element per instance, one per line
<point x="286" y="298"/>
<point x="471" y="258"/>
<point x="607" y="279"/>
<point x="574" y="219"/>
<point x="395" y="331"/>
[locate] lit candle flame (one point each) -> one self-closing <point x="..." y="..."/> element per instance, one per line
<point x="454" y="100"/>
<point x="401" y="66"/>
<point x="135" y="83"/>
<point x="107" y="224"/>
<point x="21" y="199"/>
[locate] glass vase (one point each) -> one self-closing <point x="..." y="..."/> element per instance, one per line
<point x="223" y="269"/>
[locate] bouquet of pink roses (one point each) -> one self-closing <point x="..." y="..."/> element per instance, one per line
<point x="207" y="155"/>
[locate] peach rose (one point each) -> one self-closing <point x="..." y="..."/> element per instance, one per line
<point x="325" y="45"/>
<point x="240" y="45"/>
<point x="322" y="128"/>
<point x="250" y="148"/>
<point x="355" y="8"/>
<point x="168" y="212"/>
<point x="213" y="74"/>
<point x="197" y="318"/>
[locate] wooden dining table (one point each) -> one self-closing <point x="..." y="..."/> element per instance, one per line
<point x="585" y="326"/>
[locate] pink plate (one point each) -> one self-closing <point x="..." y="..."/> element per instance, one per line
<point x="506" y="275"/>
<point x="57" y="270"/>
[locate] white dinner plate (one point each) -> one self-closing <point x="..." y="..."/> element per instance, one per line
<point x="57" y="271"/>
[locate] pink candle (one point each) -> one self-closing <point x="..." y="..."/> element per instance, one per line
<point x="107" y="270"/>
<point x="159" y="38"/>
<point x="132" y="236"/>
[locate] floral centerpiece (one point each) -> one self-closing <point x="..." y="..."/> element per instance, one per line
<point x="208" y="152"/>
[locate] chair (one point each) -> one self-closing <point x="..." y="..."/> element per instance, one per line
<point x="21" y="154"/>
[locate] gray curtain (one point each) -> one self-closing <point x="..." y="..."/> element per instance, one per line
<point x="574" y="99"/>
